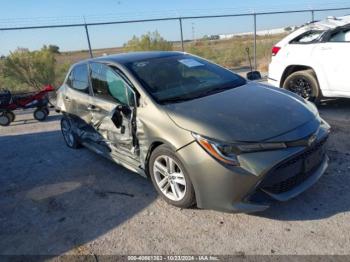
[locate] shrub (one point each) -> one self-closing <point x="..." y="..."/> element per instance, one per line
<point x="34" y="69"/>
<point x="149" y="41"/>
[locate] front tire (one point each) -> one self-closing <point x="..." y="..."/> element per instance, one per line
<point x="68" y="134"/>
<point x="304" y="84"/>
<point x="170" y="178"/>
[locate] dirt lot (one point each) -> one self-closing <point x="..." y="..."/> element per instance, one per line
<point x="55" y="200"/>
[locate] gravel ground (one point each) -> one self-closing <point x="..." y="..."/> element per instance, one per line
<point x="55" y="200"/>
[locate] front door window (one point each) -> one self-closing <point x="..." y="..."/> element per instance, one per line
<point x="108" y="84"/>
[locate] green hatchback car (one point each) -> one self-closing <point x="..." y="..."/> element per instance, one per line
<point x="204" y="135"/>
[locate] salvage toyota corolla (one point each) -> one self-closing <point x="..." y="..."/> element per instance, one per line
<point x="203" y="134"/>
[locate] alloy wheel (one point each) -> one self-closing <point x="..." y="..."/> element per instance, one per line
<point x="301" y="87"/>
<point x="67" y="132"/>
<point x="169" y="177"/>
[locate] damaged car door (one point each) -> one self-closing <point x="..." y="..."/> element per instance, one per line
<point x="112" y="113"/>
<point x="76" y="96"/>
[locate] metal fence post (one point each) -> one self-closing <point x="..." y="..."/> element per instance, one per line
<point x="255" y="60"/>
<point x="312" y="15"/>
<point x="182" y="36"/>
<point x="88" y="39"/>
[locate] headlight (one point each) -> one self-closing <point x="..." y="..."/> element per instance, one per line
<point x="221" y="152"/>
<point x="227" y="152"/>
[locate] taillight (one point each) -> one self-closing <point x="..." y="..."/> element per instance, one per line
<point x="275" y="50"/>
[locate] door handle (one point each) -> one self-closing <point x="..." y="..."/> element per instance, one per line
<point x="67" y="99"/>
<point x="326" y="48"/>
<point x="92" y="108"/>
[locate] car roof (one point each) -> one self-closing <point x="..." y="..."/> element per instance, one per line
<point x="125" y="58"/>
<point x="330" y="22"/>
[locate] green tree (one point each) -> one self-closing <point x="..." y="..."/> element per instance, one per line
<point x="34" y="69"/>
<point x="52" y="48"/>
<point x="149" y="41"/>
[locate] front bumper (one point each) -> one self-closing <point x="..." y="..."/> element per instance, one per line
<point x="248" y="188"/>
<point x="312" y="179"/>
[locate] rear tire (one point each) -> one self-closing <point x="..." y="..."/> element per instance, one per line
<point x="170" y="178"/>
<point x="40" y="114"/>
<point x="304" y="84"/>
<point x="69" y="136"/>
<point x="4" y="119"/>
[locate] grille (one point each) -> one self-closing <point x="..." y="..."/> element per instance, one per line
<point x="296" y="166"/>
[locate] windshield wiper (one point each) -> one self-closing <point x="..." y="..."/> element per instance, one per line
<point x="175" y="100"/>
<point x="201" y="93"/>
<point x="214" y="91"/>
<point x="219" y="89"/>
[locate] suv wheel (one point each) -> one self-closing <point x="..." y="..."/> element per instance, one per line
<point x="69" y="136"/>
<point x="304" y="84"/>
<point x="170" y="178"/>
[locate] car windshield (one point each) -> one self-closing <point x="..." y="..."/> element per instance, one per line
<point x="177" y="78"/>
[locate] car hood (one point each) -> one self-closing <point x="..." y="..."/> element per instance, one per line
<point x="249" y="113"/>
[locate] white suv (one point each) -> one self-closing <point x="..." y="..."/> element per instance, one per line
<point x="314" y="61"/>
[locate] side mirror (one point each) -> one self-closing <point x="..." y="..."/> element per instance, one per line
<point x="253" y="75"/>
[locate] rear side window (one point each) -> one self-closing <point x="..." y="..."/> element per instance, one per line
<point x="79" y="78"/>
<point x="308" y="37"/>
<point x="108" y="84"/>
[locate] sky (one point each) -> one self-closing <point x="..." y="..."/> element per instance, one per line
<point x="14" y="13"/>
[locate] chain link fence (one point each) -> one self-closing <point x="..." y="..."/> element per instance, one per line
<point x="254" y="30"/>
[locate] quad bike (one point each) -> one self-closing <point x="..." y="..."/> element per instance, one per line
<point x="10" y="102"/>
